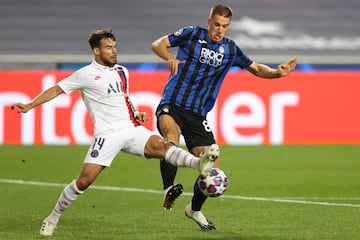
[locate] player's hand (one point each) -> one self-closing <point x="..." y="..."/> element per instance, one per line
<point x="285" y="68"/>
<point x="173" y="65"/>
<point x="142" y="117"/>
<point x="21" y="108"/>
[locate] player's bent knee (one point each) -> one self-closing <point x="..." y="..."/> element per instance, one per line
<point x="83" y="183"/>
<point x="161" y="145"/>
<point x="156" y="147"/>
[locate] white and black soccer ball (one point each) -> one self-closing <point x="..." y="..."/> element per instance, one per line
<point x="215" y="184"/>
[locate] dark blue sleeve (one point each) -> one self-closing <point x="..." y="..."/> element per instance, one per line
<point x="181" y="36"/>
<point x="241" y="59"/>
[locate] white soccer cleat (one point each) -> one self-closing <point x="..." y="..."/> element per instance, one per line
<point x="199" y="218"/>
<point x="47" y="228"/>
<point x="207" y="159"/>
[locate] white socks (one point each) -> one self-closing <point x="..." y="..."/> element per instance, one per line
<point x="181" y="158"/>
<point x="67" y="197"/>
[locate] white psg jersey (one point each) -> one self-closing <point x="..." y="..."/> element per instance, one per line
<point x="104" y="91"/>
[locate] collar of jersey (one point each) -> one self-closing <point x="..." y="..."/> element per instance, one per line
<point x="99" y="66"/>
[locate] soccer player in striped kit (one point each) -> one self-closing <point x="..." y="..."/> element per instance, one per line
<point x="197" y="71"/>
<point x="104" y="88"/>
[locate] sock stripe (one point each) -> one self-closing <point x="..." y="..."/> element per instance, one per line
<point x="181" y="158"/>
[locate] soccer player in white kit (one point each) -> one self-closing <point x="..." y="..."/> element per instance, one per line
<point x="104" y="88"/>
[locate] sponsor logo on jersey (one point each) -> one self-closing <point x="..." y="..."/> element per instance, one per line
<point x="211" y="57"/>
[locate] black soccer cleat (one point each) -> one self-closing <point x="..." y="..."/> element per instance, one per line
<point x="171" y="194"/>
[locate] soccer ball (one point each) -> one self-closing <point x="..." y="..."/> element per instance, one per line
<point x="215" y="184"/>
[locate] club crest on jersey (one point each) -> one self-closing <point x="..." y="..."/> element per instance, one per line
<point x="222" y="49"/>
<point x="211" y="57"/>
<point x="178" y="32"/>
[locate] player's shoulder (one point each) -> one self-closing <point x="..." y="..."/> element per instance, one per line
<point x="123" y="69"/>
<point x="194" y="28"/>
<point x="231" y="42"/>
<point x="120" y="66"/>
<point x="228" y="41"/>
<point x="86" y="68"/>
<point x="88" y="71"/>
<point x="83" y="71"/>
<point x="185" y="30"/>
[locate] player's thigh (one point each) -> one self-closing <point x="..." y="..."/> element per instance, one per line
<point x="137" y="139"/>
<point x="169" y="129"/>
<point x="169" y="122"/>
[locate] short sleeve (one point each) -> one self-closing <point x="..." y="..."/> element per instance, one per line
<point x="71" y="83"/>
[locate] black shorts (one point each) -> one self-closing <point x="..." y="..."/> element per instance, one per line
<point x="194" y="127"/>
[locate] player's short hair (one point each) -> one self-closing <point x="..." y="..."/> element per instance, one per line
<point x="222" y="10"/>
<point x="95" y="37"/>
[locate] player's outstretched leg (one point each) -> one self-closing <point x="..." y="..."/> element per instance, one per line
<point x="171" y="194"/>
<point x="199" y="218"/>
<point x="67" y="197"/>
<point x="207" y="159"/>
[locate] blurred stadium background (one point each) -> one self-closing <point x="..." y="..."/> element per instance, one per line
<point x="51" y="35"/>
<point x="45" y="33"/>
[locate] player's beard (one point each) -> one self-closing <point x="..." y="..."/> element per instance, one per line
<point x="110" y="62"/>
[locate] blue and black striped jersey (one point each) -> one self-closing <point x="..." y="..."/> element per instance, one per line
<point x="196" y="85"/>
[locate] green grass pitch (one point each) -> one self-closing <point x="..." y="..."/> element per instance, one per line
<point x="300" y="192"/>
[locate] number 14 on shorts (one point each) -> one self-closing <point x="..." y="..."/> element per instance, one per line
<point x="96" y="146"/>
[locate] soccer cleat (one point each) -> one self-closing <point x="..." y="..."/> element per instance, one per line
<point x="47" y="228"/>
<point x="199" y="218"/>
<point x="207" y="159"/>
<point x="171" y="194"/>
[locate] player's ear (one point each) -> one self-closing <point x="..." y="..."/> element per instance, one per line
<point x="96" y="51"/>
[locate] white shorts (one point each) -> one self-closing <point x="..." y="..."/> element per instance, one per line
<point x="104" y="148"/>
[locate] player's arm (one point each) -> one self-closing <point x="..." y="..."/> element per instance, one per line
<point x="141" y="116"/>
<point x="265" y="71"/>
<point x="43" y="97"/>
<point x="161" y="48"/>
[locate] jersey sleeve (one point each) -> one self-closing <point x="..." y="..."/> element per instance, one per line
<point x="71" y="83"/>
<point x="241" y="59"/>
<point x="180" y="37"/>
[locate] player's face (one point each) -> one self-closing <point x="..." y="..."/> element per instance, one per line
<point x="106" y="54"/>
<point x="217" y="27"/>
